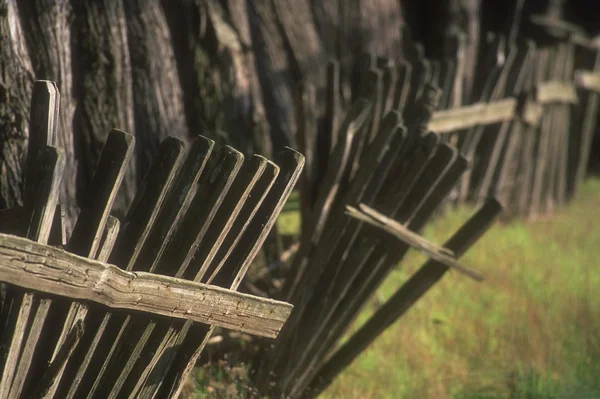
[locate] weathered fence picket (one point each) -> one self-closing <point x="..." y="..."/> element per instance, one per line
<point x="74" y="326"/>
<point x="515" y="142"/>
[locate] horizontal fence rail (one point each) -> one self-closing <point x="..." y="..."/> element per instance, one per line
<point x="124" y="308"/>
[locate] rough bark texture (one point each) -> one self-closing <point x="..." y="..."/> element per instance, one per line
<point x="103" y="86"/>
<point x="224" y="69"/>
<point x="46" y="26"/>
<point x="16" y="78"/>
<point x="157" y="93"/>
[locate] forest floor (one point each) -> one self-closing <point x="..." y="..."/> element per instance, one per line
<point x="530" y="330"/>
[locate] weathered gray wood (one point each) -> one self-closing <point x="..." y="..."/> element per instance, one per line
<point x="58" y="232"/>
<point x="23" y="305"/>
<point x="432" y="171"/>
<point x="402" y="86"/>
<point x="176" y="204"/>
<point x="47" y="174"/>
<point x="37" y="267"/>
<point x="368" y="215"/>
<point x="51" y="377"/>
<point x="494" y="155"/>
<point x="473" y="115"/>
<point x="334" y="248"/>
<point x="140" y="219"/>
<point x="542" y="139"/>
<point x="306" y="134"/>
<point x="370" y="277"/>
<point x="96" y="207"/>
<point x="47" y="34"/>
<point x="143" y="211"/>
<point x="246" y="216"/>
<point x="589" y="80"/>
<point x="143" y="350"/>
<point x="214" y="186"/>
<point x="556" y="92"/>
<point x="34" y="330"/>
<point x="344" y="278"/>
<point x="43" y="124"/>
<point x="103" y="90"/>
<point x="291" y="164"/>
<point x="91" y="223"/>
<point x="77" y="361"/>
<point x="109" y="238"/>
<point x="405" y="297"/>
<point x="332" y="178"/>
<point x="232" y="205"/>
<point x="589" y="122"/>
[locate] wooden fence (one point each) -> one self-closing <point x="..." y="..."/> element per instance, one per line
<point x="390" y="176"/>
<point x="521" y="139"/>
<point x="74" y="326"/>
<point x="526" y="127"/>
<point x="377" y="169"/>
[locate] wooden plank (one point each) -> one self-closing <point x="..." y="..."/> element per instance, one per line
<point x="91" y="222"/>
<point x="402" y="86"/>
<point x="543" y="72"/>
<point x="588" y="126"/>
<point x="203" y="208"/>
<point x="143" y="350"/>
<point x="349" y="269"/>
<point x="225" y="218"/>
<point x="58" y="232"/>
<point x="306" y="122"/>
<point x="51" y="377"/>
<point x="79" y="358"/>
<point x="494" y="153"/>
<point x="37" y="267"/>
<point x="369" y="215"/>
<point x="44" y="170"/>
<point x="338" y="162"/>
<point x="140" y="220"/>
<point x="156" y="366"/>
<point x="34" y="329"/>
<point x="176" y="258"/>
<point x="473" y="115"/>
<point x="404" y="298"/>
<point x="291" y="164"/>
<point x="46" y="181"/>
<point x="113" y="226"/>
<point x="23" y="305"/>
<point x="177" y="203"/>
<point x="556" y="91"/>
<point x="588" y="80"/>
<point x="43" y="123"/>
<point x="369" y="279"/>
<point x="432" y="171"/>
<point x="149" y="198"/>
<point x="243" y="221"/>
<point x="330" y="186"/>
<point x="359" y="285"/>
<point x="334" y="248"/>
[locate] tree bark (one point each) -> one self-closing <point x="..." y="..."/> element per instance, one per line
<point x="16" y="78"/>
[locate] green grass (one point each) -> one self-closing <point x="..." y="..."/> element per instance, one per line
<point x="529" y="331"/>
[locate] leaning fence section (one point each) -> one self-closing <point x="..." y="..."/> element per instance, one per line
<point x="124" y="308"/>
<point x="525" y="127"/>
<point x="383" y="160"/>
<point x="385" y="176"/>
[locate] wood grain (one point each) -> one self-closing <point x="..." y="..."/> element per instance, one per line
<point x="50" y="270"/>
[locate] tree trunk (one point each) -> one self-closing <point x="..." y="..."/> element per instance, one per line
<point x="164" y="68"/>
